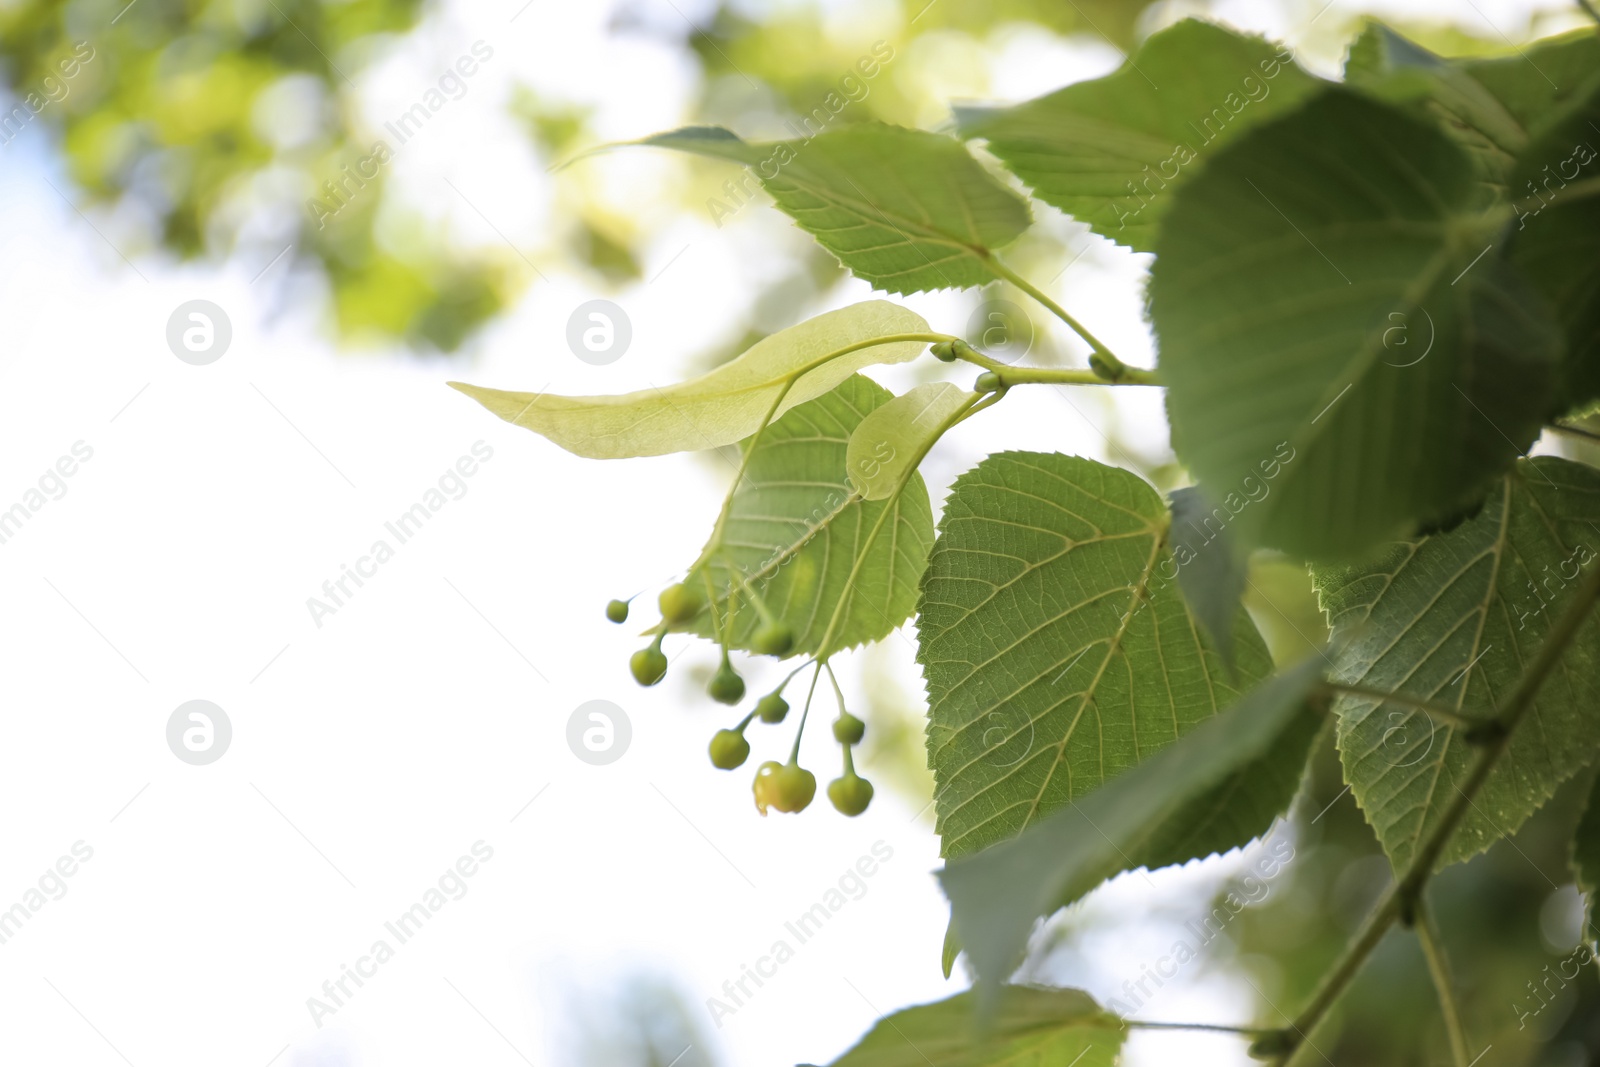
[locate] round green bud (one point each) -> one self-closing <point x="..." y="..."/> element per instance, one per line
<point x="847" y="729"/>
<point x="945" y="351"/>
<point x="772" y="639"/>
<point x="988" y="382"/>
<point x="726" y="686"/>
<point x="649" y="665"/>
<point x="851" y="794"/>
<point x="729" y="749"/>
<point x="680" y="603"/>
<point x="772" y="708"/>
<point x="787" y="787"/>
<point x="617" y="611"/>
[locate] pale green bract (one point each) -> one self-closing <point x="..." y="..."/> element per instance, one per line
<point x="1056" y="646"/>
<point x="1031" y="1027"/>
<point x="725" y="405"/>
<point x="1111" y="151"/>
<point x="1327" y="286"/>
<point x="895" y="437"/>
<point x="997" y="894"/>
<point x="798" y="533"/>
<point x="1456" y="618"/>
<point x="907" y="210"/>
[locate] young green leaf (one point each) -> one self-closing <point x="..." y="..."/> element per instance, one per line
<point x="1031" y="1026"/>
<point x="1110" y="152"/>
<point x="725" y="405"/>
<point x="797" y="533"/>
<point x="1455" y="618"/>
<point x="908" y="211"/>
<point x="1212" y="570"/>
<point x="1055" y="644"/>
<point x="893" y="436"/>
<point x="1326" y="292"/>
<point x="1586" y="862"/>
<point x="998" y="893"/>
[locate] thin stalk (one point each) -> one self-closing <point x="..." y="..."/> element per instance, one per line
<point x="1574" y="431"/>
<point x="794" y="753"/>
<point x="1399" y="901"/>
<point x="1442" y="713"/>
<point x="1115" y="368"/>
<point x="1010" y="376"/>
<point x="1439" y="966"/>
<point x="1242" y="1031"/>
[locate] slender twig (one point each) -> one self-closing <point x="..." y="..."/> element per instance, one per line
<point x="1115" y="369"/>
<point x="1010" y="376"/>
<point x="1242" y="1031"/>
<point x="1589" y="9"/>
<point x="1399" y="901"/>
<point x="1442" y="713"/>
<point x="1439" y="966"/>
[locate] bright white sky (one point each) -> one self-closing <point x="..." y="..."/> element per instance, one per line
<point x="371" y="753"/>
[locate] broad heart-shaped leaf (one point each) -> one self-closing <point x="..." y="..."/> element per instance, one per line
<point x="812" y="549"/>
<point x="1556" y="240"/>
<point x="997" y="894"/>
<point x="908" y="211"/>
<point x="1109" y="152"/>
<point x="1455" y="617"/>
<point x="1055" y="644"/>
<point x="725" y="405"/>
<point x="1585" y="861"/>
<point x="1287" y="275"/>
<point x="1031" y="1027"/>
<point x="896" y="436"/>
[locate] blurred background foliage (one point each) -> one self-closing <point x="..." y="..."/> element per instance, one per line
<point x="202" y="127"/>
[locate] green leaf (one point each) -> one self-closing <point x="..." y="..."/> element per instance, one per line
<point x="1585" y="860"/>
<point x="1454" y="618"/>
<point x="1032" y="1027"/>
<point x="908" y="211"/>
<point x="798" y="533"/>
<point x="1055" y="644"/>
<point x="1494" y="108"/>
<point x="1288" y="274"/>
<point x="998" y="893"/>
<point x="725" y="405"/>
<point x="1110" y="152"/>
<point x="1556" y="241"/>
<point x="895" y="436"/>
<point x="1212" y="571"/>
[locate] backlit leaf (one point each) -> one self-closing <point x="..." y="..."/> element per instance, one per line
<point x="1110" y="152"/>
<point x="1455" y="618"/>
<point x="907" y="210"/>
<point x="895" y="435"/>
<point x="1326" y="292"/>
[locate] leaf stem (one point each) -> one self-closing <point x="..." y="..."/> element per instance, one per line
<point x="1439" y="966"/>
<point x="1399" y="901"/>
<point x="1010" y="376"/>
<point x="1575" y="431"/>
<point x="1114" y="369"/>
<point x="1442" y="713"/>
<point x="805" y="713"/>
<point x="1242" y="1031"/>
